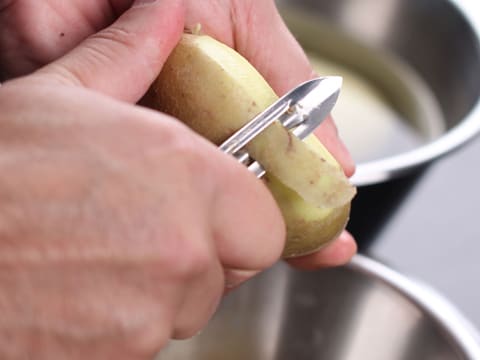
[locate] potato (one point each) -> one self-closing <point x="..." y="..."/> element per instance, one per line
<point x="215" y="91"/>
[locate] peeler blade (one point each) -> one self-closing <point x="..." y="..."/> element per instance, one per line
<point x="316" y="104"/>
<point x="301" y="111"/>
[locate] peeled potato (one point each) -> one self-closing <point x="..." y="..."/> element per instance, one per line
<point x="215" y="91"/>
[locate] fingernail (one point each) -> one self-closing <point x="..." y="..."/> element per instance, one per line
<point x="234" y="278"/>
<point x="137" y="3"/>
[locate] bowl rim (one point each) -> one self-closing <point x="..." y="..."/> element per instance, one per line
<point x="461" y="332"/>
<point x="382" y="170"/>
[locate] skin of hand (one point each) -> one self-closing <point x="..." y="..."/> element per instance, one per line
<point x="35" y="33"/>
<point x="118" y="230"/>
<point x="119" y="226"/>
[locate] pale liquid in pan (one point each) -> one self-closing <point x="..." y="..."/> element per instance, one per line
<point x="369" y="126"/>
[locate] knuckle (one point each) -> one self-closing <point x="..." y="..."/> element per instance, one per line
<point x="115" y="34"/>
<point x="148" y="341"/>
<point x="195" y="259"/>
<point x="195" y="159"/>
<point x="191" y="159"/>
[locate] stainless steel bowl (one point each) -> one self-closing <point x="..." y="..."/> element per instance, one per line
<point x="422" y="56"/>
<point x="362" y="311"/>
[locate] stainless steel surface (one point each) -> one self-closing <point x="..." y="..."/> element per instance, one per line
<point x="434" y="235"/>
<point x="430" y="46"/>
<point x="314" y="107"/>
<point x="302" y="110"/>
<point x="362" y="311"/>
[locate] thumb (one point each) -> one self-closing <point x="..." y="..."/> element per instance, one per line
<point x="123" y="59"/>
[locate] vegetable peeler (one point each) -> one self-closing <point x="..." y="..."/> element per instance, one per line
<point x="300" y="111"/>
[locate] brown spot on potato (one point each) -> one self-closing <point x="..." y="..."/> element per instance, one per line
<point x="290" y="142"/>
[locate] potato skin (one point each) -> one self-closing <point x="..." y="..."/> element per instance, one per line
<point x="308" y="228"/>
<point x="303" y="240"/>
<point x="182" y="90"/>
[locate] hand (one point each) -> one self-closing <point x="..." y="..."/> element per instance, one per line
<point x="37" y="32"/>
<point x="119" y="226"/>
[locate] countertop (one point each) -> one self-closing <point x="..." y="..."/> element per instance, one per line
<point x="434" y="235"/>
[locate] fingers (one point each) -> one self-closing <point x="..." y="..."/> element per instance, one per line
<point x="245" y="231"/>
<point x="264" y="39"/>
<point x="328" y="135"/>
<point x="35" y="33"/>
<point x="337" y="253"/>
<point x="123" y="59"/>
<point x="235" y="278"/>
<point x="268" y="52"/>
<point x="203" y="292"/>
<point x="248" y="227"/>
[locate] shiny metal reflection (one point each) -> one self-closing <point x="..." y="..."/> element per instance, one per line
<point x="361" y="311"/>
<point x="438" y="40"/>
